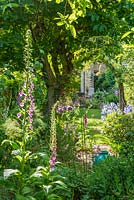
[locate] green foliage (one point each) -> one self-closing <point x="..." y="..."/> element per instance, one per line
<point x="23" y="176"/>
<point x="75" y="181"/>
<point x="111" y="179"/>
<point x="128" y="74"/>
<point x="106" y="81"/>
<point x="91" y="113"/>
<point x="110" y="97"/>
<point x="120" y="129"/>
<point x="12" y="129"/>
<point x="38" y="184"/>
<point x="72" y="32"/>
<point x="67" y="135"/>
<point x="8" y="90"/>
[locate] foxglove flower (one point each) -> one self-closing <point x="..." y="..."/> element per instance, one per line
<point x="19" y="115"/>
<point x="21" y="93"/>
<point x="52" y="160"/>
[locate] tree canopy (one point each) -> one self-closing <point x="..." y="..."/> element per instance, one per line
<point x="66" y="34"/>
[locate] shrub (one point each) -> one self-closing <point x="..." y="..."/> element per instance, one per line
<point x="111" y="179"/>
<point x="120" y="129"/>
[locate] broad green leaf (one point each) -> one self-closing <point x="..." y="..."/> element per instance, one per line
<point x="47" y="188"/>
<point x="36" y="155"/>
<point x="73" y="31"/>
<point x="54" y="197"/>
<point x="9" y="5"/>
<point x="13" y="144"/>
<point x="60" y="183"/>
<point x="26" y="190"/>
<point x="30" y="198"/>
<point x="27" y="155"/>
<point x="72" y="18"/>
<point x="9" y="172"/>
<point x="61" y="23"/>
<point x="36" y="174"/>
<point x="20" y="197"/>
<point x="126" y="34"/>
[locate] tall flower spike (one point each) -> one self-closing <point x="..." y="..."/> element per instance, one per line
<point x="53" y="141"/>
<point x="25" y="96"/>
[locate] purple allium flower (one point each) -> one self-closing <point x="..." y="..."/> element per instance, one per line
<point x="19" y="115"/>
<point x="59" y="109"/>
<point x="69" y="108"/>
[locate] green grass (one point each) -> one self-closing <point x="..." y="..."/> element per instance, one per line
<point x="91" y="113"/>
<point x="94" y="130"/>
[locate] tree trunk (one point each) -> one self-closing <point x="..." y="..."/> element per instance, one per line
<point x="122" y="101"/>
<point x="50" y="96"/>
<point x="50" y="83"/>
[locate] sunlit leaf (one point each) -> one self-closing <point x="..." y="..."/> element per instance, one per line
<point x="60" y="23"/>
<point x="37" y="174"/>
<point x="73" y="31"/>
<point x="126" y="34"/>
<point x="26" y="190"/>
<point x="19" y="158"/>
<point x="59" y="1"/>
<point x="13" y="144"/>
<point x="20" y="197"/>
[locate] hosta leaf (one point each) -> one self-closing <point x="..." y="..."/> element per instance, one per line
<point x="37" y="174"/>
<point x="54" y="197"/>
<point x="9" y="172"/>
<point x="36" y="155"/>
<point x="13" y="144"/>
<point x="30" y="198"/>
<point x="47" y="188"/>
<point x="60" y="183"/>
<point x="20" y="197"/>
<point x="26" y="190"/>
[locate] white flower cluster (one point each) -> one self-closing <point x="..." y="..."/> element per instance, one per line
<point x="112" y="107"/>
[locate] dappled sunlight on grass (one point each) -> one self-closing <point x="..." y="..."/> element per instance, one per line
<point x="92" y="134"/>
<point x="91" y="113"/>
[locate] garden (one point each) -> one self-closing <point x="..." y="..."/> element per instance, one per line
<point x="56" y="143"/>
